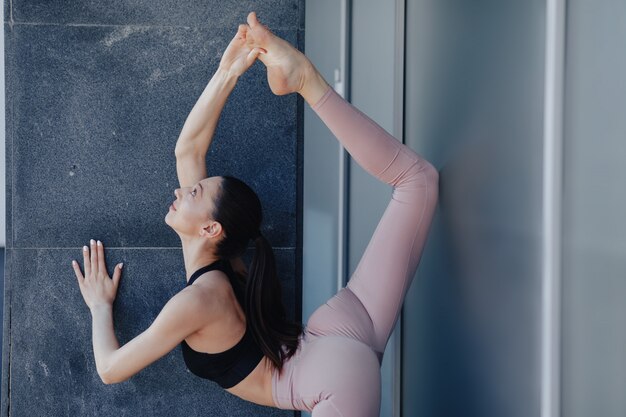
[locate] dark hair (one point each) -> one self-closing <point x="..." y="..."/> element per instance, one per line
<point x="238" y="210"/>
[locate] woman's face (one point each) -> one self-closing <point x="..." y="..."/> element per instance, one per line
<point x="191" y="212"/>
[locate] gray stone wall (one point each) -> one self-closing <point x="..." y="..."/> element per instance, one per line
<point x="97" y="93"/>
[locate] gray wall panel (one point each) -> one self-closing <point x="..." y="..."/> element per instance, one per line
<point x="100" y="94"/>
<point x="373" y="69"/>
<point x="321" y="170"/>
<point x="222" y="13"/>
<point x="321" y="156"/>
<point x="97" y="95"/>
<point x="6" y="335"/>
<point x="474" y="106"/>
<point x="594" y="203"/>
<point x="8" y="138"/>
<point x="3" y="120"/>
<point x="52" y="365"/>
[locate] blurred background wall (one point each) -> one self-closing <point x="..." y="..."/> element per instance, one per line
<point x="517" y="307"/>
<point x="474" y="99"/>
<point x="97" y="93"/>
<point x="594" y="203"/>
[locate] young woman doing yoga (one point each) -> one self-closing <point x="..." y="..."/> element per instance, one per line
<point x="230" y="322"/>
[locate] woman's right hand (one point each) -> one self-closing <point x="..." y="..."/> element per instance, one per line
<point x="96" y="286"/>
<point x="238" y="56"/>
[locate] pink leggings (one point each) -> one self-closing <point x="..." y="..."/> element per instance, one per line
<point x="336" y="370"/>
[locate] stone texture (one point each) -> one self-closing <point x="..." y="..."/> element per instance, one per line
<point x="96" y="122"/>
<point x="51" y="347"/>
<point x="6" y="334"/>
<point x="96" y="96"/>
<point x="208" y="13"/>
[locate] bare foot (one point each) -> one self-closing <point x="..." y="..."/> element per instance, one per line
<point x="287" y="68"/>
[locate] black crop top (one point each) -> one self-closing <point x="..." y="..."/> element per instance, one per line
<point x="231" y="366"/>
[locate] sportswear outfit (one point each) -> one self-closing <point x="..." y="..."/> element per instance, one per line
<point x="336" y="369"/>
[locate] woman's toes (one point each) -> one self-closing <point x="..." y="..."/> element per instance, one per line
<point x="262" y="32"/>
<point x="241" y="32"/>
<point x="252" y="19"/>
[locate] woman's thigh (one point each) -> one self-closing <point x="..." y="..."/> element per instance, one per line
<point x="342" y="315"/>
<point x="349" y="375"/>
<point x="368" y="307"/>
<point x="331" y="376"/>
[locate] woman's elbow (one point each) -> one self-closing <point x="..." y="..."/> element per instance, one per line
<point x="109" y="378"/>
<point x="106" y="379"/>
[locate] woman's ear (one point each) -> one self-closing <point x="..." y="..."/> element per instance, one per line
<point x="210" y="229"/>
<point x="215" y="229"/>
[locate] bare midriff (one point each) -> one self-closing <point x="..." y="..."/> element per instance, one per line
<point x="257" y="386"/>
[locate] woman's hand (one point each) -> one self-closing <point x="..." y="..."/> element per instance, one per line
<point x="96" y="287"/>
<point x="238" y="56"/>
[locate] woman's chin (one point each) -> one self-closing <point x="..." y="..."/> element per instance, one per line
<point x="167" y="221"/>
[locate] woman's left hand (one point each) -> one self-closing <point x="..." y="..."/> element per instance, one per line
<point x="96" y="286"/>
<point x="238" y="56"/>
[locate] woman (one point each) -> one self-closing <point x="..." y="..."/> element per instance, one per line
<point x="239" y="337"/>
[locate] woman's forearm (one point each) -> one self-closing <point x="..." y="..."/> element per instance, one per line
<point x="104" y="339"/>
<point x="197" y="132"/>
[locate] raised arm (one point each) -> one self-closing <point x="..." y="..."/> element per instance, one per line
<point x="197" y="132"/>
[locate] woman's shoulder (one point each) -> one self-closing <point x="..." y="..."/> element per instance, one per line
<point x="213" y="284"/>
<point x="210" y="292"/>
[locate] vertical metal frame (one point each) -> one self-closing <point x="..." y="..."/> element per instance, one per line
<point x="342" y="86"/>
<point x="552" y="199"/>
<point x="398" y="132"/>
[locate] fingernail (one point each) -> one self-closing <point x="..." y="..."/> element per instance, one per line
<point x="121" y="265"/>
<point x="85" y="248"/>
<point x="93" y="242"/>
<point x="73" y="262"/>
<point x="99" y="243"/>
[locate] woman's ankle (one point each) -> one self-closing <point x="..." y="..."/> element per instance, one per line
<point x="314" y="85"/>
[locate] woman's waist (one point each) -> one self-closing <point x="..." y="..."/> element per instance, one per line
<point x="257" y="386"/>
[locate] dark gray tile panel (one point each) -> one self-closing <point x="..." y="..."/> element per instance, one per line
<point x="52" y="368"/>
<point x="6" y="333"/>
<point x="96" y="96"/>
<point x="7" y="10"/>
<point x="213" y="13"/>
<point x="97" y="112"/>
<point x="9" y="68"/>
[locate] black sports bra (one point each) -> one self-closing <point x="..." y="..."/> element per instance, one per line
<point x="231" y="366"/>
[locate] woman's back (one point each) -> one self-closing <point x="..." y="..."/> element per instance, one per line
<point x="225" y="350"/>
<point x="225" y="329"/>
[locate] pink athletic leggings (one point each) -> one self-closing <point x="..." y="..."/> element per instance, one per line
<point x="336" y="370"/>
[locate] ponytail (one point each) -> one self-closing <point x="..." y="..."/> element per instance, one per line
<point x="264" y="307"/>
<point x="238" y="209"/>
